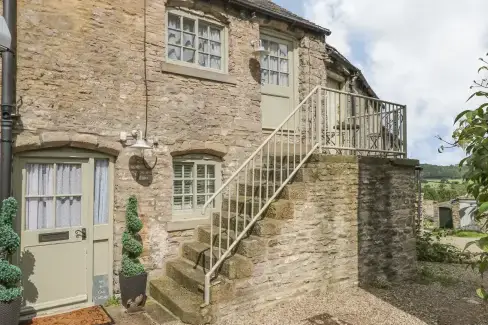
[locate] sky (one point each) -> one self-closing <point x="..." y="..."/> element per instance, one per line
<point x="424" y="54"/>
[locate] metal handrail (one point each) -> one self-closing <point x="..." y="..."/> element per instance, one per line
<point x="257" y="151"/>
<point x="321" y="111"/>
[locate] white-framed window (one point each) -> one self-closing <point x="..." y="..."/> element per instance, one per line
<point x="275" y="67"/>
<point x="195" y="180"/>
<point x="196" y="42"/>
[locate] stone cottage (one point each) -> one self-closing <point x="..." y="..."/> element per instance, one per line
<point x="205" y="83"/>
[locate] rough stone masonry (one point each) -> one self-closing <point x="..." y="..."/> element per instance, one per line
<point x="353" y="224"/>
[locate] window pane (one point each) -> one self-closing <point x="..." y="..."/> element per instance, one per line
<point x="265" y="44"/>
<point x="39" y="213"/>
<point x="189" y="25"/>
<point x="174" y="53"/>
<point x="178" y="203"/>
<point x="284" y="79"/>
<point x="101" y="195"/>
<point x="200" y="201"/>
<point x="39" y="179"/>
<point x="210" y="171"/>
<point x="189" y="40"/>
<point x="264" y="62"/>
<point x="215" y="62"/>
<point x="200" y="171"/>
<point x="68" y="211"/>
<point x="178" y="170"/>
<point x="68" y="179"/>
<point x="215" y="48"/>
<point x="174" y="21"/>
<point x="202" y="30"/>
<point x="178" y="187"/>
<point x="273" y="63"/>
<point x="188" y="170"/>
<point x="284" y="65"/>
<point x="283" y="50"/>
<point x="203" y="45"/>
<point x="203" y="60"/>
<point x="210" y="186"/>
<point x="174" y="37"/>
<point x="201" y="187"/>
<point x="273" y="47"/>
<point x="264" y="77"/>
<point x="189" y="56"/>
<point x="273" y="78"/>
<point x="188" y="189"/>
<point x="188" y="202"/>
<point x="215" y="34"/>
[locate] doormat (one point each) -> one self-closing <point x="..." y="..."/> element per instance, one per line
<point x="95" y="315"/>
<point x="326" y="319"/>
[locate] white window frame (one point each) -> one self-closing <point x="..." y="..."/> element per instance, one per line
<point x="224" y="44"/>
<point x="196" y="159"/>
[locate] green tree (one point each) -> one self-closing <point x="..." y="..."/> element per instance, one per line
<point x="131" y="241"/>
<point x="471" y="134"/>
<point x="9" y="242"/>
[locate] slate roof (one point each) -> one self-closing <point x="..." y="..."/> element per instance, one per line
<point x="272" y="9"/>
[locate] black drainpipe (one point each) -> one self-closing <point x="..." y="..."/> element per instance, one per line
<point x="9" y="72"/>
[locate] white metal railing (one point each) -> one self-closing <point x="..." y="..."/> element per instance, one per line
<point x="327" y="119"/>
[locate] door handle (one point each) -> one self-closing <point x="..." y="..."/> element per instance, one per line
<point x="81" y="233"/>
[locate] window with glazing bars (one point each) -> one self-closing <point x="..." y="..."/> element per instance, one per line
<point x="195" y="42"/>
<point x="193" y="184"/>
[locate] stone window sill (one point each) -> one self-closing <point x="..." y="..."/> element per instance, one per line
<point x="197" y="73"/>
<point x="185" y="224"/>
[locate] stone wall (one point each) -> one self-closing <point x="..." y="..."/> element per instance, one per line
<point x="81" y="73"/>
<point x="353" y="224"/>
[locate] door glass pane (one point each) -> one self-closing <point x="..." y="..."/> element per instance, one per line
<point x="68" y="211"/>
<point x="39" y="179"/>
<point x="39" y="213"/>
<point x="101" y="195"/>
<point x="68" y="179"/>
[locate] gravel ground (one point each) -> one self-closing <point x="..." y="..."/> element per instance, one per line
<point x="442" y="295"/>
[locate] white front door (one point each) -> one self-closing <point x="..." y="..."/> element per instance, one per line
<point x="277" y="81"/>
<point x="56" y="227"/>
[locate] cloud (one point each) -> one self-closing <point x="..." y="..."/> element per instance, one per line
<point x="420" y="53"/>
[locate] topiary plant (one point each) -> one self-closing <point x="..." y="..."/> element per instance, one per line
<point x="131" y="241"/>
<point x="10" y="275"/>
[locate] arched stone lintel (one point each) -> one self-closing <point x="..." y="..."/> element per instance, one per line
<point x="27" y="142"/>
<point x="211" y="148"/>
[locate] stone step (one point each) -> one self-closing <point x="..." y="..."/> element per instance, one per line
<point x="272" y="174"/>
<point x="266" y="189"/>
<point x="183" y="303"/>
<point x="278" y="209"/>
<point x="192" y="278"/>
<point x="263" y="227"/>
<point x="234" y="267"/>
<point x="251" y="246"/>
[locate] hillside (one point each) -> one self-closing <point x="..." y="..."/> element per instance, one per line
<point x="442" y="172"/>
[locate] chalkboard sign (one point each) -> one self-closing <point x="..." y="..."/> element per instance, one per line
<point x="100" y="290"/>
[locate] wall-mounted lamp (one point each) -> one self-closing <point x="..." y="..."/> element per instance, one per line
<point x="259" y="50"/>
<point x="141" y="144"/>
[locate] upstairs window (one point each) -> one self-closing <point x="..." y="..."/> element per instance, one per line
<point x="195" y="42"/>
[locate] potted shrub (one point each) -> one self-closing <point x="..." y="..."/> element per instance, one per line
<point x="132" y="277"/>
<point x="10" y="289"/>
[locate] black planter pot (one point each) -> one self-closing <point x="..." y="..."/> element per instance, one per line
<point x="133" y="291"/>
<point x="10" y="312"/>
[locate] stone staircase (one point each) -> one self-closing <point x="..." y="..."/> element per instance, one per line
<point x="181" y="289"/>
